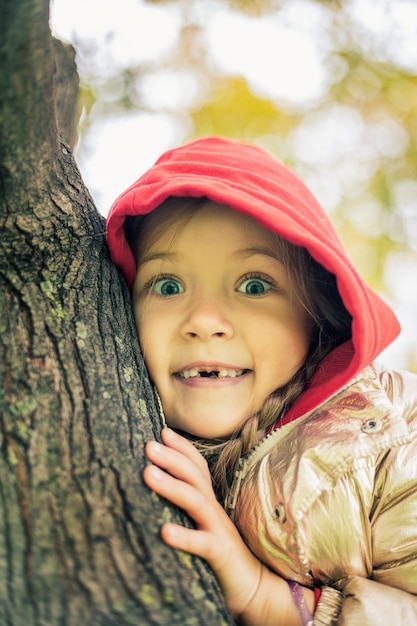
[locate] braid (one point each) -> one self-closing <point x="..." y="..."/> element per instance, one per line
<point x="223" y="458"/>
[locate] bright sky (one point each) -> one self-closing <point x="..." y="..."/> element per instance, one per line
<point x="130" y="32"/>
<point x="279" y="54"/>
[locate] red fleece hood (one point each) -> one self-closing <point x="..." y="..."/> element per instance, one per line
<point x="251" y="181"/>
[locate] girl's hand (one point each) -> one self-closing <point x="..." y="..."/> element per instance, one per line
<point x="253" y="592"/>
<point x="180" y="474"/>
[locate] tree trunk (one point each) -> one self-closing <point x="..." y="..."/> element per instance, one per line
<point x="79" y="531"/>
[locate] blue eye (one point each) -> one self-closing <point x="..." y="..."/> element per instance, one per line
<point x="254" y="286"/>
<point x="167" y="287"/>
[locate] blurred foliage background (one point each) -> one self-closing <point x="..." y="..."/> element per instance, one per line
<point x="328" y="86"/>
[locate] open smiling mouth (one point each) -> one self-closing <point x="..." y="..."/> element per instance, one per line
<point x="220" y="373"/>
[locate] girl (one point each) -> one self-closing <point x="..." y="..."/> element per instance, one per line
<point x="260" y="336"/>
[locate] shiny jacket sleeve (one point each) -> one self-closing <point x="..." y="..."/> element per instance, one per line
<point x="365" y="602"/>
<point x="331" y="501"/>
<point x="390" y="597"/>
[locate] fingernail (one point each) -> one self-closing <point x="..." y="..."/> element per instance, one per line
<point x="157" y="447"/>
<point x="155" y="472"/>
<point x="171" y="531"/>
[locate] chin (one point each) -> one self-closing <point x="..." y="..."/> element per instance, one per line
<point x="200" y="423"/>
<point x="209" y="433"/>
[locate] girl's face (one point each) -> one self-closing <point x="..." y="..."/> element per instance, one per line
<point x="217" y="318"/>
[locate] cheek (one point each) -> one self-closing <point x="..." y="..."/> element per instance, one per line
<point x="150" y="354"/>
<point x="143" y="322"/>
<point x="144" y="331"/>
<point x="153" y="341"/>
<point x="299" y="326"/>
<point x="147" y="337"/>
<point x="297" y="347"/>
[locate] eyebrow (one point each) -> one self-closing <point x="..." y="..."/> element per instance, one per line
<point x="159" y="256"/>
<point x="248" y="252"/>
<point x="245" y="252"/>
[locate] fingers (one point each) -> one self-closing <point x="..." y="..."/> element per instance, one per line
<point x="188" y="497"/>
<point x="181" y="444"/>
<point x="181" y="459"/>
<point x="179" y="474"/>
<point x="199" y="541"/>
<point x="193" y="541"/>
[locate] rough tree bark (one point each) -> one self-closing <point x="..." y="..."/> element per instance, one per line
<point x="79" y="532"/>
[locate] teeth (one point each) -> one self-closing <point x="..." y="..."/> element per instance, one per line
<point x="223" y="373"/>
<point x="190" y="373"/>
<point x="230" y="373"/>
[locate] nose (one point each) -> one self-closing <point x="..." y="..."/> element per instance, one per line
<point x="207" y="318"/>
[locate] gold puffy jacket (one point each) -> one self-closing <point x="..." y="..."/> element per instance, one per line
<point x="330" y="500"/>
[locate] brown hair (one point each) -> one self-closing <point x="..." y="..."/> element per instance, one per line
<point x="316" y="290"/>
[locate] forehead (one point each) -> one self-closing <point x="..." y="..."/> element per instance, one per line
<point x="184" y="224"/>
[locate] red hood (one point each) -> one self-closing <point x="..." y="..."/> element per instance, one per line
<point x="248" y="179"/>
